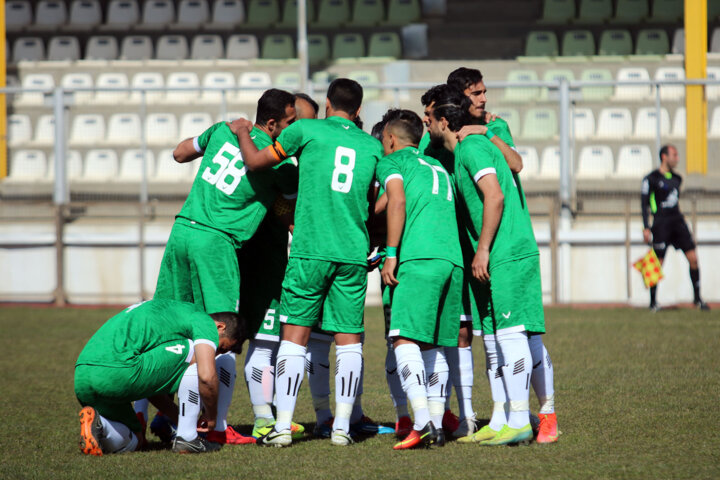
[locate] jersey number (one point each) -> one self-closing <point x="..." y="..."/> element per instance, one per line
<point x="177" y="349"/>
<point x="436" y="181"/>
<point x="228" y="176"/>
<point x="343" y="174"/>
<point x="269" y="319"/>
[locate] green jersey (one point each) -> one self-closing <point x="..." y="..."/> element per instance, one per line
<point x="336" y="163"/>
<point x="445" y="157"/>
<point x="476" y="157"/>
<point x="225" y="195"/>
<point x="431" y="231"/>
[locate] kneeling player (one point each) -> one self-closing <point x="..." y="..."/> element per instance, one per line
<point x="150" y="350"/>
<point x="426" y="299"/>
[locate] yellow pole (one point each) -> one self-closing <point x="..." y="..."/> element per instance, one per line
<point x="3" y="106"/>
<point x="695" y="103"/>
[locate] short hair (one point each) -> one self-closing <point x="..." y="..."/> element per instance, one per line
<point x="309" y="99"/>
<point x="272" y="105"/>
<point x="665" y="150"/>
<point x="236" y="327"/>
<point x="358" y="122"/>
<point x="378" y="128"/>
<point x="345" y="95"/>
<point x="463" y="78"/>
<point x="450" y="103"/>
<point x="405" y="124"/>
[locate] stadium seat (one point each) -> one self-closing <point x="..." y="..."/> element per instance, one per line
<point x="124" y="129"/>
<point x="78" y="80"/>
<point x="522" y="94"/>
<point x="714" y="130"/>
<point x="531" y="162"/>
<point x="555" y="75"/>
<point x="278" y="47"/>
<point x="667" y="11"/>
<point x="18" y="15"/>
<point x="511" y="117"/>
<point x="364" y="78"/>
<point x="614" y="124"/>
<point x="385" y="45"/>
<point x="157" y="14"/>
<point x="333" y="13"/>
<point x="578" y="43"/>
<point x="634" y="161"/>
<point x="403" y="12"/>
<point x="541" y="44"/>
<point x="73" y="165"/>
<point x="631" y="11"/>
<point x="415" y="40"/>
<point x="540" y="124"/>
<point x="230" y="116"/>
<point x="182" y="80"/>
<point x="28" y="166"/>
<point x="30" y="49"/>
<point x="242" y="47"/>
<point x="598" y="93"/>
<point x="193" y="124"/>
<point x="45" y="131"/>
<point x="630" y="92"/>
<point x="136" y="47"/>
<point x="207" y="47"/>
<point x="583" y="123"/>
<point x="715" y="40"/>
<point x="100" y="164"/>
<point x="84" y="15"/>
<point x="318" y="49"/>
<point x="679" y="129"/>
<point x="652" y="42"/>
<point x="262" y="13"/>
<point x="615" y="42"/>
<point x="35" y="80"/>
<point x="148" y="80"/>
<point x="671" y="92"/>
<point x="550" y="163"/>
<point x="103" y="47"/>
<point x="646" y="123"/>
<point x="594" y="11"/>
<point x="131" y="163"/>
<point x="111" y="80"/>
<point x="713" y="11"/>
<point x="678" y="43"/>
<point x="172" y="47"/>
<point x="217" y="80"/>
<point x="713" y="91"/>
<point x="348" y="45"/>
<point x="367" y="13"/>
<point x="227" y="15"/>
<point x="558" y="11"/>
<point x="595" y="162"/>
<point x="64" y="48"/>
<point x="168" y="170"/>
<point x="192" y="14"/>
<point x="288" y="81"/>
<point x="19" y="129"/>
<point x="87" y="129"/>
<point x="161" y="129"/>
<point x="49" y="15"/>
<point x="122" y="14"/>
<point x="253" y="85"/>
<point x="289" y="14"/>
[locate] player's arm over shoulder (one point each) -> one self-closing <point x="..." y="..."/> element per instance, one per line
<point x="192" y="148"/>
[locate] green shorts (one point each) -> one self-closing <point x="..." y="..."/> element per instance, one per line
<point x="199" y="266"/>
<point x="318" y="287"/>
<point x="111" y="390"/>
<point x="481" y="305"/>
<point x="427" y="302"/>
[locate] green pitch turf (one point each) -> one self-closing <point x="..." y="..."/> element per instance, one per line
<point x="636" y="394"/>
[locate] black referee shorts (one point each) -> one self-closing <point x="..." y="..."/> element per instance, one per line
<point x="673" y="231"/>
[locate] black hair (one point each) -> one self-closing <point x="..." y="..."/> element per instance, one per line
<point x="358" y="122"/>
<point x="309" y="99"/>
<point x="665" y="150"/>
<point x="405" y="124"/>
<point x="236" y="328"/>
<point x="463" y="78"/>
<point x="345" y="95"/>
<point x="272" y="105"/>
<point x="450" y="103"/>
<point x="378" y="128"/>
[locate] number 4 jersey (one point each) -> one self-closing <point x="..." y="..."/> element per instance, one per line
<point x="225" y="195"/>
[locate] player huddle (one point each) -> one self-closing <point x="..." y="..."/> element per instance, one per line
<point x="448" y="216"/>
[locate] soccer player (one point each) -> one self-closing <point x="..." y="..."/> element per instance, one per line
<point x="327" y="266"/>
<point x="423" y="264"/>
<point x="150" y="350"/>
<point x="660" y="196"/>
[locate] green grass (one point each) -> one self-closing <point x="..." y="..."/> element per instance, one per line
<point x="636" y="393"/>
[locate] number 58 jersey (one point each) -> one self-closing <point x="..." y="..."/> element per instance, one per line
<point x="336" y="165"/>
<point x="227" y="196"/>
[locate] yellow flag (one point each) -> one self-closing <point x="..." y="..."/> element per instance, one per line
<point x="650" y="269"/>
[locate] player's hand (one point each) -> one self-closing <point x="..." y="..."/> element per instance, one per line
<point x="205" y="424"/>
<point x="388" y="272"/>
<point x="471" y="130"/>
<point x="480" y="265"/>
<point x="490" y="117"/>
<point x="239" y="124"/>
<point x="646" y="235"/>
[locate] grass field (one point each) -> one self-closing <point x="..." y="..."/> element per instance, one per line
<point x="636" y="393"/>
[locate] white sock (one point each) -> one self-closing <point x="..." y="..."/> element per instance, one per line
<point x="141" y="406"/>
<point x="348" y="369"/>
<point x="397" y="394"/>
<point x="289" y="375"/>
<point x="516" y="367"/>
<point x="259" y="363"/>
<point x="497" y="386"/>
<point x="357" y="412"/>
<point x="464" y="384"/>
<point x="451" y="355"/>
<point x="412" y="374"/>
<point x="438" y="373"/>
<point x="189" y="404"/>
<point x="317" y="364"/>
<point x="226" y="367"/>
<point x="542" y="374"/>
<point x="117" y="437"/>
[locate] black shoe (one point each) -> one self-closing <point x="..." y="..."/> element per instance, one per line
<point x="198" y="445"/>
<point x="702" y="306"/>
<point x="440" y="442"/>
<point x="654" y="307"/>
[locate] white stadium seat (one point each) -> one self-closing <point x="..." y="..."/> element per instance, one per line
<point x="679" y="128"/>
<point x="614" y="124"/>
<point x="111" y="80"/>
<point x="87" y="129"/>
<point x="28" y="166"/>
<point x="193" y="124"/>
<point x="50" y="14"/>
<point x="148" y="80"/>
<point x="79" y="80"/>
<point x="192" y="14"/>
<point x="85" y="14"/>
<point x="131" y="165"/>
<point x="168" y="170"/>
<point x="19" y="129"/>
<point x="646" y="123"/>
<point x="595" y="162"/>
<point x="124" y="129"/>
<point x="161" y="129"/>
<point x="630" y="92"/>
<point x="217" y="80"/>
<point x="713" y="91"/>
<point x="35" y="80"/>
<point x="550" y="163"/>
<point x="18" y="14"/>
<point x="259" y="81"/>
<point x="583" y="123"/>
<point x="100" y="164"/>
<point x="634" y="161"/>
<point x="45" y="131"/>
<point x="185" y="80"/>
<point x="73" y="165"/>
<point x="531" y="162"/>
<point x="122" y="14"/>
<point x="714" y="131"/>
<point x="671" y="92"/>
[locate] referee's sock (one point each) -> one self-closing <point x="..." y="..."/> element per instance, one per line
<point x="695" y="279"/>
<point x="653" y="292"/>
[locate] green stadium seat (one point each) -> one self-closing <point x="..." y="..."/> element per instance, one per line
<point x="669" y="11"/>
<point x="278" y="47"/>
<point x="366" y="77"/>
<point x="631" y="11"/>
<point x="652" y="42"/>
<point x="594" y="11"/>
<point x="262" y="13"/>
<point x="511" y="116"/>
<point x="540" y="124"/>
<point x="522" y="94"/>
<point x="318" y="49"/>
<point x="578" y="42"/>
<point x="367" y="13"/>
<point x="289" y="13"/>
<point x="596" y="93"/>
<point x="402" y="12"/>
<point x="385" y="45"/>
<point x="558" y="11"/>
<point x="615" y="42"/>
<point x="333" y="13"/>
<point x="541" y="44"/>
<point x="348" y="45"/>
